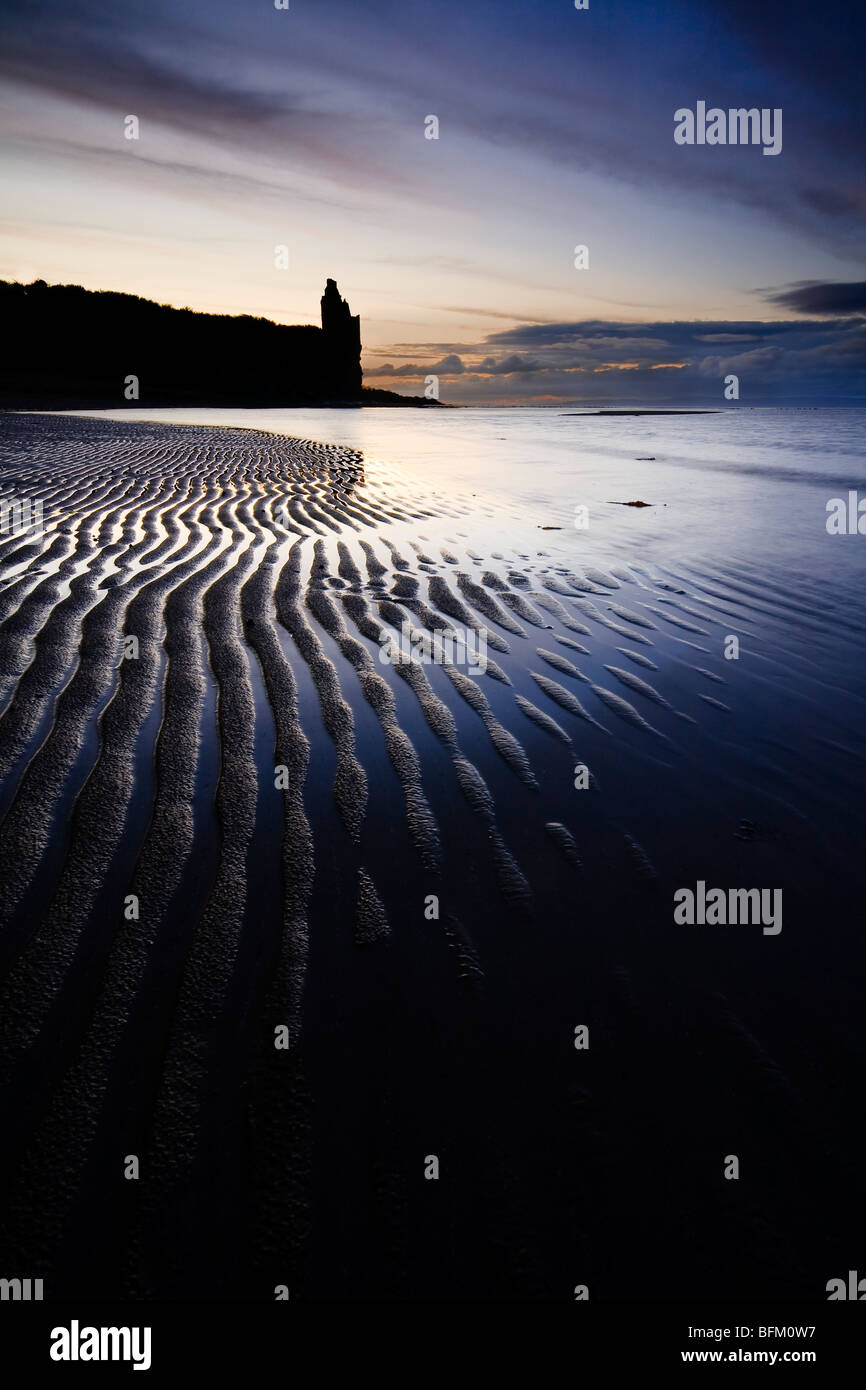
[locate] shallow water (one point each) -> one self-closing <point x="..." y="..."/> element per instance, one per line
<point x="739" y="483"/>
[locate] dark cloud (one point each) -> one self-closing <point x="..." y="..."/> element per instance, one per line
<point x="506" y="365"/>
<point x="449" y="366"/>
<point x="725" y="337"/>
<point x="588" y="331"/>
<point x="821" y="297"/>
<point x="835" y="202"/>
<point x="658" y="363"/>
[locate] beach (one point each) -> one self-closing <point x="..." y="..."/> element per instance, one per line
<point x="284" y="919"/>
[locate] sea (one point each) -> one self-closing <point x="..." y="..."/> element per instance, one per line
<point x="741" y="482"/>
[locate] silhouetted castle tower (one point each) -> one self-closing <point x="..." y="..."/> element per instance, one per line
<point x="342" y="335"/>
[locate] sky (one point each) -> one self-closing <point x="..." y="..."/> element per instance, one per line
<point x="306" y="128"/>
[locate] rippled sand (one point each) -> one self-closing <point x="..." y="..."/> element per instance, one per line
<point x="284" y="807"/>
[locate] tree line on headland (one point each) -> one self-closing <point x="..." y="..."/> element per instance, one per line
<point x="65" y="347"/>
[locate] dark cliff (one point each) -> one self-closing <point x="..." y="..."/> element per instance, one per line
<point x="67" y="347"/>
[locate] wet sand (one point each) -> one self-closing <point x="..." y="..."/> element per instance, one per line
<point x="241" y="829"/>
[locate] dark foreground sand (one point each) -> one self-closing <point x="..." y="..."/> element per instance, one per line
<point x="284" y="808"/>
